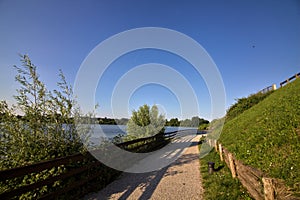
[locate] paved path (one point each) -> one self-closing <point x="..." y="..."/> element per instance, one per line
<point x="180" y="180"/>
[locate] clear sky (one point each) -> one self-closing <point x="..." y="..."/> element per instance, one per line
<point x="253" y="43"/>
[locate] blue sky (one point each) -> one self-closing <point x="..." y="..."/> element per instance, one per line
<point x="253" y="43"/>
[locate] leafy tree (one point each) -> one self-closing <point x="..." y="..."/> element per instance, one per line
<point x="186" y="123"/>
<point x="203" y="126"/>
<point x="145" y="122"/>
<point x="122" y="121"/>
<point x="48" y="127"/>
<point x="173" y="122"/>
<point x="194" y="122"/>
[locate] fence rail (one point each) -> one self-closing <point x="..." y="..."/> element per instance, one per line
<point x="283" y="83"/>
<point x="289" y="79"/>
<point x="82" y="165"/>
<point x="259" y="186"/>
<point x="268" y="89"/>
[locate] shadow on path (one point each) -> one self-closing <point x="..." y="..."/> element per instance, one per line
<point x="141" y="185"/>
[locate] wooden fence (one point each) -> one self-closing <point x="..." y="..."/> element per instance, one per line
<point x="268" y="89"/>
<point x="259" y="186"/>
<point x="283" y="83"/>
<point x="78" y="171"/>
<point x="289" y="79"/>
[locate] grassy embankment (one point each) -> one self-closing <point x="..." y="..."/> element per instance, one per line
<point x="220" y="184"/>
<point x="267" y="135"/>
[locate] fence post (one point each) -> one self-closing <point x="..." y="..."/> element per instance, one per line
<point x="210" y="142"/>
<point x="216" y="145"/>
<point x="269" y="190"/>
<point x="274" y="87"/>
<point x="232" y="165"/>
<point x="221" y="152"/>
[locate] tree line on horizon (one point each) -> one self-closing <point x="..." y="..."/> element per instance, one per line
<point x="175" y="122"/>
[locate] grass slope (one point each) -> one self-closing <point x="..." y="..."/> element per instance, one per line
<point x="220" y="185"/>
<point x="267" y="136"/>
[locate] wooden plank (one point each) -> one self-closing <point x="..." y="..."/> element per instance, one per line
<point x="249" y="180"/>
<point x="232" y="165"/>
<point x="253" y="191"/>
<point x="153" y="141"/>
<point x="72" y="186"/>
<point x="252" y="170"/>
<point x="48" y="181"/>
<point x="221" y="152"/>
<point x="38" y="167"/>
<point x="137" y="140"/>
<point x="289" y="79"/>
<point x="216" y="146"/>
<point x="269" y="190"/>
<point x="226" y="156"/>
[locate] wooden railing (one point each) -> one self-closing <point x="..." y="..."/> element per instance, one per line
<point x="16" y="175"/>
<point x="283" y="83"/>
<point x="289" y="79"/>
<point x="268" y="89"/>
<point x="77" y="171"/>
<point x="257" y="183"/>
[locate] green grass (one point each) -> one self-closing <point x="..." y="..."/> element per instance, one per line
<point x="220" y="185"/>
<point x="245" y="103"/>
<point x="267" y="136"/>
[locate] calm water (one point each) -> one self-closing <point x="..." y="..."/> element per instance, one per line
<point x="111" y="131"/>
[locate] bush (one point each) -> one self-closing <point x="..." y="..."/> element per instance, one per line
<point x="203" y="127"/>
<point x="145" y="122"/>
<point x="47" y="128"/>
<point x="244" y="104"/>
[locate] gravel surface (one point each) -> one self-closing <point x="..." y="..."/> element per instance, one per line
<point x="180" y="180"/>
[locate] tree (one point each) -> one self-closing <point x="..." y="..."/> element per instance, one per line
<point x="48" y="127"/>
<point x="203" y="126"/>
<point x="145" y="122"/>
<point x="194" y="122"/>
<point x="173" y="122"/>
<point x="186" y="123"/>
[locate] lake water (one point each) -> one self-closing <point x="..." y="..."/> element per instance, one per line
<point x="111" y="131"/>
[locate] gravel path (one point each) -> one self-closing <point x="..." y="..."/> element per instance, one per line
<point x="180" y="180"/>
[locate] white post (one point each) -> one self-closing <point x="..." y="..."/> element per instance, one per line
<point x="216" y="146"/>
<point x="221" y="152"/>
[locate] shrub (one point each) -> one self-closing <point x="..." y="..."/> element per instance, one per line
<point x="244" y="104"/>
<point x="47" y="128"/>
<point x="145" y="122"/>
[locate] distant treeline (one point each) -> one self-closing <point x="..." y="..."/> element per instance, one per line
<point x="194" y="122"/>
<point x="97" y="120"/>
<point x="105" y="120"/>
